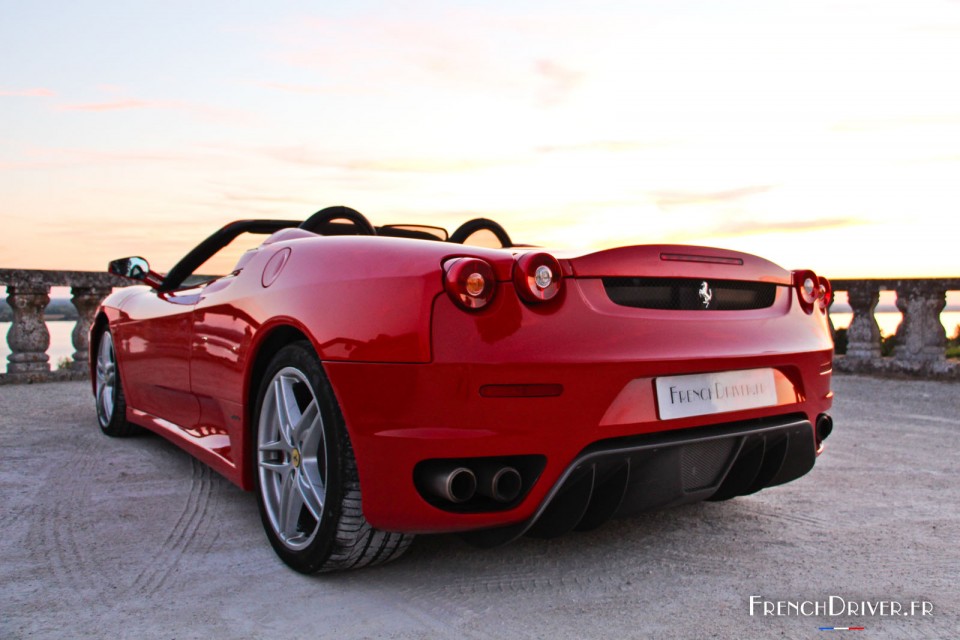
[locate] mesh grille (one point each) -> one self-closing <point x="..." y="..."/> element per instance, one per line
<point x="702" y="462"/>
<point x="690" y="294"/>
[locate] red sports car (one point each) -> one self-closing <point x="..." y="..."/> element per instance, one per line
<point x="372" y="383"/>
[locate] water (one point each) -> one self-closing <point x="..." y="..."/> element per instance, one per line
<point x="61" y="340"/>
<point x="890" y="320"/>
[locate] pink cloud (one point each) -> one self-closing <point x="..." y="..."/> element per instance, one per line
<point x="604" y="146"/>
<point x="424" y="53"/>
<point x="37" y="92"/>
<point x="117" y="105"/>
<point x="307" y="157"/>
<point x="558" y="80"/>
<point x="673" y="198"/>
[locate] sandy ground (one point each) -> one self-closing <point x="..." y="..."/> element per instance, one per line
<point x="133" y="539"/>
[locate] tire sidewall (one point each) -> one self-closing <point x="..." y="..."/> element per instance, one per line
<point x="117" y="425"/>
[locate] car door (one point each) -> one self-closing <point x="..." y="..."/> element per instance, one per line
<point x="155" y="331"/>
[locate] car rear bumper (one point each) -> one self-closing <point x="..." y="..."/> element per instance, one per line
<point x="626" y="476"/>
<point x="554" y="382"/>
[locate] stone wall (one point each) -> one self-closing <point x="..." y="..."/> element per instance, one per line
<point x="28" y="293"/>
<point x="920" y="342"/>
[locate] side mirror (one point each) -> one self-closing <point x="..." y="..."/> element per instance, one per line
<point x="135" y="268"/>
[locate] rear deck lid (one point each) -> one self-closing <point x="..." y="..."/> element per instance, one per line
<point x="677" y="261"/>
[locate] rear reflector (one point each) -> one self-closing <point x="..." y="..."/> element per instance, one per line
<point x="521" y="390"/>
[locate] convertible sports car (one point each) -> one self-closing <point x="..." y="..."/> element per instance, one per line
<point x="371" y="383"/>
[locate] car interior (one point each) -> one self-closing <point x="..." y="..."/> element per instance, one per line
<point x="330" y="221"/>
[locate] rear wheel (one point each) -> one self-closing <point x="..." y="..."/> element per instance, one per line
<point x="308" y="489"/>
<point x="111" y="403"/>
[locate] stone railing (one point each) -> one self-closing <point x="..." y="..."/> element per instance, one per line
<point x="920" y="342"/>
<point x="28" y="293"/>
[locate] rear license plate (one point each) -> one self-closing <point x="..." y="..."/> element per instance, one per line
<point x="708" y="393"/>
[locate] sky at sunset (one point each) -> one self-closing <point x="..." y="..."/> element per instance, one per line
<point x="821" y="135"/>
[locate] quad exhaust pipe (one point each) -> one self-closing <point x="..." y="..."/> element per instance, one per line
<point x="824" y="427"/>
<point x="459" y="484"/>
<point x="503" y="484"/>
<point x="455" y="485"/>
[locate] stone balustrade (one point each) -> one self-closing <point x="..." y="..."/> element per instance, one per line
<point x="28" y="293"/>
<point x="920" y="342"/>
<point x="919" y="347"/>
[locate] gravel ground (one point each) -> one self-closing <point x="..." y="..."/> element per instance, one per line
<point x="134" y="539"/>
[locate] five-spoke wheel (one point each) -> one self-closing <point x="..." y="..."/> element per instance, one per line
<point x="308" y="488"/>
<point x="111" y="405"/>
<point x="292" y="458"/>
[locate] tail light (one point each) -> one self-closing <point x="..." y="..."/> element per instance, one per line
<point x="537" y="277"/>
<point x="808" y="288"/>
<point x="470" y="282"/>
<point x="826" y="293"/>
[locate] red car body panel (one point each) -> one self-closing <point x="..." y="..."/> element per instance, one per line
<point x="418" y="377"/>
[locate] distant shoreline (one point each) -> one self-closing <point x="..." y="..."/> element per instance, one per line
<point x="62" y="310"/>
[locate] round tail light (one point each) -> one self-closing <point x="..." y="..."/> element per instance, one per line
<point x="470" y="282"/>
<point x="537" y="277"/>
<point x="826" y="293"/>
<point x="808" y="288"/>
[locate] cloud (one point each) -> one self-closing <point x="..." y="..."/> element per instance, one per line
<point x="291" y="88"/>
<point x="604" y="146"/>
<point x="557" y="81"/>
<point x="117" y="105"/>
<point x="326" y="159"/>
<point x="452" y="52"/>
<point x="759" y="227"/>
<point x="201" y="111"/>
<point x="881" y="124"/>
<point x="38" y="92"/>
<point x="58" y="157"/>
<point x="668" y="199"/>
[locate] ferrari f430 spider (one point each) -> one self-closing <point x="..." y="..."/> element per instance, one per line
<point x="372" y="383"/>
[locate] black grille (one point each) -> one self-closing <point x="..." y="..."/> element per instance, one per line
<point x="702" y="462"/>
<point x="687" y="293"/>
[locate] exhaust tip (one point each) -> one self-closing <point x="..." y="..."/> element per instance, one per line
<point x="507" y="484"/>
<point x="824" y="427"/>
<point x="458" y="485"/>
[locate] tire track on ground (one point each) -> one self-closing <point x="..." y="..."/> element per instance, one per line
<point x="183" y="535"/>
<point x="53" y="538"/>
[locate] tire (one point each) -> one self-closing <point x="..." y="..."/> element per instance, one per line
<point x="307" y="485"/>
<point x="108" y="395"/>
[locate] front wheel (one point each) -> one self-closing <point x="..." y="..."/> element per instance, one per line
<point x="308" y="488"/>
<point x="111" y="403"/>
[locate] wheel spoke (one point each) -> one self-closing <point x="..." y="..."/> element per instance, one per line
<point x="281" y="467"/>
<point x="100" y="389"/>
<point x="276" y="445"/>
<point x="311" y="494"/>
<point x="303" y="430"/>
<point x="291" y="502"/>
<point x="283" y="397"/>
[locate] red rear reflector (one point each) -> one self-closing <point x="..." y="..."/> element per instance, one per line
<point x="688" y="257"/>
